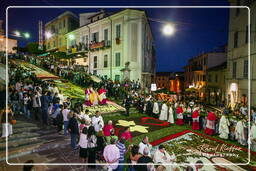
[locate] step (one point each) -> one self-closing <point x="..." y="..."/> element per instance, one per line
<point x="34" y="148"/>
<point x="32" y="140"/>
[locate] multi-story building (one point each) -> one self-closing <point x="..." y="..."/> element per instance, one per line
<point x="56" y="29"/>
<point x="172" y="81"/>
<point x="215" y="85"/>
<point x="163" y="80"/>
<point x="118" y="46"/>
<point x="238" y="56"/>
<point x="11" y="43"/>
<point x="196" y="70"/>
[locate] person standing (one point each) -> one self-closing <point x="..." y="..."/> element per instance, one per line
<point x="83" y="144"/>
<point x="171" y="115"/>
<point x="179" y="112"/>
<point x="195" y="120"/>
<point x="164" y="112"/>
<point x="210" y="123"/>
<point x="44" y="107"/>
<point x="37" y="106"/>
<point x="97" y="122"/>
<point x="143" y="160"/>
<point x="156" y="109"/>
<point x="92" y="144"/>
<point x="112" y="155"/>
<point x="224" y="127"/>
<point x="73" y="130"/>
<point x="127" y="104"/>
<point x="122" y="149"/>
<point x="240" y="133"/>
<point x="65" y="114"/>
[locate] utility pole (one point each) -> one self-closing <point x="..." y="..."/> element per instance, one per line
<point x="40" y="35"/>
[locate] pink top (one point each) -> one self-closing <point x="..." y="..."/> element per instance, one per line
<point x="81" y="127"/>
<point x="127" y="135"/>
<point x="107" y="129"/>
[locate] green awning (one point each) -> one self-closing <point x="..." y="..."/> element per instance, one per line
<point x="44" y="54"/>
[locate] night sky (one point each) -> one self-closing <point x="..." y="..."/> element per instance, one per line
<point x="197" y="30"/>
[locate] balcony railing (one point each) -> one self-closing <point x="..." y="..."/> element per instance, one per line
<point x="81" y="47"/>
<point x="100" y="45"/>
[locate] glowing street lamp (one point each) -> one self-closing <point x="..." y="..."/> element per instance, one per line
<point x="48" y="35"/>
<point x="17" y="33"/>
<point x="71" y="37"/>
<point x="27" y="35"/>
<point x="168" y="30"/>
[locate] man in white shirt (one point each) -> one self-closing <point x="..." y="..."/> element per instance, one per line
<point x="97" y="122"/>
<point x="143" y="144"/>
<point x="65" y="113"/>
<point x="161" y="156"/>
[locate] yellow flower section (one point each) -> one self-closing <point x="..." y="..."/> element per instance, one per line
<point x="133" y="126"/>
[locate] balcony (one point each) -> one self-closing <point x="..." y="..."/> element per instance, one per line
<point x="100" y="45"/>
<point x="80" y="47"/>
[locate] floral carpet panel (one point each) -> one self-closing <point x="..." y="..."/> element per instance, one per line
<point x="190" y="147"/>
<point x="139" y="126"/>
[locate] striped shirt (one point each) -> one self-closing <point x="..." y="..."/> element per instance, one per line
<point x="122" y="150"/>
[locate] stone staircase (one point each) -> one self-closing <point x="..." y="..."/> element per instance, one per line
<point x="30" y="138"/>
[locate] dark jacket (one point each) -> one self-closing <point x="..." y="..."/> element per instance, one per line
<point x="73" y="126"/>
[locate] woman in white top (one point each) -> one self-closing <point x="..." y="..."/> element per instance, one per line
<point x="83" y="144"/>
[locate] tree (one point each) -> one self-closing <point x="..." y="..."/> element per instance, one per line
<point x="32" y="48"/>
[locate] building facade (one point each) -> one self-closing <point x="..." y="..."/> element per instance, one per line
<point x="238" y="57"/>
<point x="196" y="70"/>
<point x="56" y="29"/>
<point x="118" y="46"/>
<point x="172" y="81"/>
<point x="11" y="43"/>
<point x="215" y="85"/>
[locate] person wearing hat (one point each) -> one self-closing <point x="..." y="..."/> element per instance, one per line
<point x="210" y="123"/>
<point x="195" y="119"/>
<point x="179" y="112"/>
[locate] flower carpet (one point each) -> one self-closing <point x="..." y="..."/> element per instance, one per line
<point x="189" y="146"/>
<point x="139" y="126"/>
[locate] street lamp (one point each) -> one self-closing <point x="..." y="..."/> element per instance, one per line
<point x="71" y="37"/>
<point x="17" y="33"/>
<point x="48" y="35"/>
<point x="26" y="35"/>
<point x="168" y="30"/>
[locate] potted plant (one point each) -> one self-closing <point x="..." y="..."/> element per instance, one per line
<point x="118" y="40"/>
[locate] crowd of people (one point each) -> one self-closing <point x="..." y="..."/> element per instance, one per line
<point x="95" y="137"/>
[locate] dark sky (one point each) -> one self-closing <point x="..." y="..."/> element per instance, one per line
<point x="197" y="30"/>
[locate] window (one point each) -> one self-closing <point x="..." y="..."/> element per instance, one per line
<point x="245" y="68"/>
<point x="234" y="70"/>
<point x="246" y="34"/>
<point x="106" y="34"/>
<point x="95" y="62"/>
<point x="95" y="37"/>
<point x="94" y="72"/>
<point x="118" y="31"/>
<point x="64" y="23"/>
<point x="105" y="61"/>
<point x="117" y="77"/>
<point x="60" y="42"/>
<point x="54" y="43"/>
<point x="204" y="79"/>
<point x="118" y="62"/>
<point x="216" y="78"/>
<point x="235" y="39"/>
